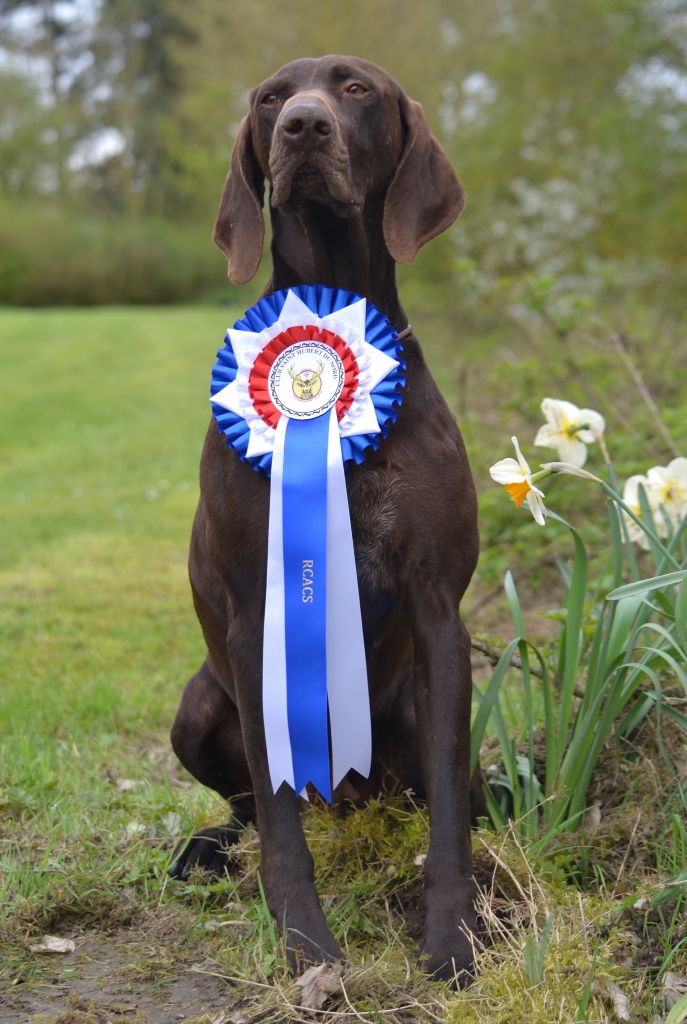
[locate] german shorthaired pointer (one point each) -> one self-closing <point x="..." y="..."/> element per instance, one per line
<point x="356" y="183"/>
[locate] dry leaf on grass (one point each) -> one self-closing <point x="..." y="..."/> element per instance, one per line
<point x="124" y="785"/>
<point x="171" y="822"/>
<point x="133" y="830"/>
<point x="612" y="993"/>
<point x="53" y="944"/>
<point x="592" y="818"/>
<point x="674" y="986"/>
<point x="318" y="983"/>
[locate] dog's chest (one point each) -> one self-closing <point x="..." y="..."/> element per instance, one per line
<point x="373" y="502"/>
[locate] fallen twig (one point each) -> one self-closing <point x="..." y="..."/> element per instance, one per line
<point x="493" y="655"/>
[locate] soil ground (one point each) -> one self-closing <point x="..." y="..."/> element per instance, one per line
<point x="134" y="975"/>
<point x="94" y="985"/>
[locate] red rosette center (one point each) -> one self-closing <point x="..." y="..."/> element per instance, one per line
<point x="258" y="379"/>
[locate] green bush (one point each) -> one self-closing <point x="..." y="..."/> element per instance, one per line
<point x="50" y="258"/>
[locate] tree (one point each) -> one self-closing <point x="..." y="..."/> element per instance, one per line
<point x="46" y="38"/>
<point x="25" y="152"/>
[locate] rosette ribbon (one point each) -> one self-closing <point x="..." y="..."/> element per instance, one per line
<point x="309" y="380"/>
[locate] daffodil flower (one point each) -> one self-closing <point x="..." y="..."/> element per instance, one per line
<point x="668" y="490"/>
<point x="631" y="499"/>
<point x="666" y="493"/>
<point x="517" y="478"/>
<point x="569" y="430"/>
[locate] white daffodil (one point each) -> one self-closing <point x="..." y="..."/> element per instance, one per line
<point x="668" y="491"/>
<point x="516" y="477"/>
<point x="631" y="499"/>
<point x="569" y="430"/>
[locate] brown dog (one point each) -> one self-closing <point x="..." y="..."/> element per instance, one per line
<point x="357" y="182"/>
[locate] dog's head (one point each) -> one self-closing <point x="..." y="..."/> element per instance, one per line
<point x="334" y="131"/>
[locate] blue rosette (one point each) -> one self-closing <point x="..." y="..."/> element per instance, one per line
<point x="310" y="380"/>
<point x="386" y="396"/>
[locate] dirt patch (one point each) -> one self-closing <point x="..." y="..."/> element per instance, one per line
<point x="105" y="980"/>
<point x="651" y="927"/>
<point x="492" y="881"/>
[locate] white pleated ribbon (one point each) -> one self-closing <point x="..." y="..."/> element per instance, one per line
<point x="347" y="689"/>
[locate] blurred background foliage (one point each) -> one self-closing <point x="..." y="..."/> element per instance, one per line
<point x="566" y="121"/>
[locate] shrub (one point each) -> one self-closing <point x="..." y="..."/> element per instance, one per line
<point x="50" y="258"/>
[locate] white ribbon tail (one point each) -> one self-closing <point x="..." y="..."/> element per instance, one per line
<point x="274" y="705"/>
<point x="347" y="690"/>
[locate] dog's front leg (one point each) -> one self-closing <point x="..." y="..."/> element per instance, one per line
<point x="286" y="863"/>
<point x="443" y="688"/>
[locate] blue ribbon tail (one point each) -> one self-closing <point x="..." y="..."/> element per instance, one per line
<point x="304" y="497"/>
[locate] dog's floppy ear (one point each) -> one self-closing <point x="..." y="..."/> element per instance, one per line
<point x="239" y="228"/>
<point x="425" y="196"/>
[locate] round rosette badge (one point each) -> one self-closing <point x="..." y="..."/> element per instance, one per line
<point x="310" y="379"/>
<point x="294" y="352"/>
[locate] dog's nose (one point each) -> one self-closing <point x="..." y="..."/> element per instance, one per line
<point x="307" y="123"/>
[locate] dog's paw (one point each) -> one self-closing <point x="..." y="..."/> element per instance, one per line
<point x="452" y="961"/>
<point x="303" y="952"/>
<point x="210" y="849"/>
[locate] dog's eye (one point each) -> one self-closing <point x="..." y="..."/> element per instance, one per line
<point x="270" y="99"/>
<point x="355" y="89"/>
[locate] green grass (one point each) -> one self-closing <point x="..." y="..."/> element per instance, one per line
<point x="106" y="412"/>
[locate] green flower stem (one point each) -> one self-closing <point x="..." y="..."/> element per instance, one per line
<point x="613" y="481"/>
<point x="565" y="468"/>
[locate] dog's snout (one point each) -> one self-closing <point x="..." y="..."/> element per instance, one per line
<point x="306" y="123"/>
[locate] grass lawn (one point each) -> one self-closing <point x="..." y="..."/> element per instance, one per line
<point x="105" y="412"/>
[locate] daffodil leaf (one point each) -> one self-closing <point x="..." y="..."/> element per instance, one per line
<point x="487" y="701"/>
<point x="646" y="586"/>
<point x="681" y="613"/>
